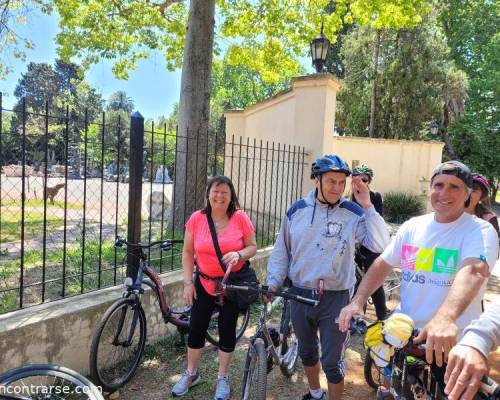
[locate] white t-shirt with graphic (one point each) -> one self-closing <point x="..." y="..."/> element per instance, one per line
<point x="430" y="254"/>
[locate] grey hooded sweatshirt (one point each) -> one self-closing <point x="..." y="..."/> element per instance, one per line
<point x="484" y="333"/>
<point x="317" y="242"/>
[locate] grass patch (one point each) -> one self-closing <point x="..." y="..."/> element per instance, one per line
<point x="33" y="224"/>
<point x="8" y="301"/>
<point x="35" y="203"/>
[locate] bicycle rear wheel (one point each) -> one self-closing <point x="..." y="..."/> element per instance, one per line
<point x="289" y="344"/>
<point x="255" y="375"/>
<point x="118" y="344"/>
<point x="47" y="382"/>
<point x="374" y="375"/>
<point x="213" y="327"/>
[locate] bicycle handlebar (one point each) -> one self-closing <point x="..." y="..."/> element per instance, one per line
<point x="488" y="386"/>
<point x="164" y="244"/>
<point x="267" y="292"/>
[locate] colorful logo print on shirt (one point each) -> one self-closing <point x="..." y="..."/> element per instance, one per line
<point x="437" y="259"/>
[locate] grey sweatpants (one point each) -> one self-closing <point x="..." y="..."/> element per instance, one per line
<point x="307" y="320"/>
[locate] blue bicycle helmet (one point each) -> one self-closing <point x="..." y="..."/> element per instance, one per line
<point x="329" y="163"/>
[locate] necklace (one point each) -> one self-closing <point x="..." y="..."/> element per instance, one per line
<point x="221" y="223"/>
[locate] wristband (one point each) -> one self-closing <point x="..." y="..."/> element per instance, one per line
<point x="188" y="283"/>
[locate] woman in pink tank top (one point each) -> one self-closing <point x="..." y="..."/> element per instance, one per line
<point x="236" y="238"/>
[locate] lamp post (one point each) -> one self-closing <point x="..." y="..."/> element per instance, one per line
<point x="319" y="51"/>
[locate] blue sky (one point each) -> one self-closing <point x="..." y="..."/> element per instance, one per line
<point x="153" y="88"/>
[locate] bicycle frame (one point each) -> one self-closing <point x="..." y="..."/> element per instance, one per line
<point x="137" y="290"/>
<point x="262" y="328"/>
<point x="410" y="371"/>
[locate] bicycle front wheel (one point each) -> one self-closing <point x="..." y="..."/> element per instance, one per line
<point x="374" y="375"/>
<point x="118" y="345"/>
<point x="289" y="344"/>
<point x="255" y="375"/>
<point x="213" y="327"/>
<point x="47" y="382"/>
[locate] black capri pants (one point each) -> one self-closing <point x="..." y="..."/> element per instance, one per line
<point x="201" y="312"/>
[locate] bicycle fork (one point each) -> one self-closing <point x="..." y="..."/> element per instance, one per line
<point x="121" y="323"/>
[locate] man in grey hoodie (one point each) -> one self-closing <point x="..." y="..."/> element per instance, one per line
<point x="317" y="243"/>
<point x="468" y="360"/>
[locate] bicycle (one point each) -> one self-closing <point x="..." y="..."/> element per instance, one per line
<point x="268" y="346"/>
<point x="413" y="378"/>
<point x="120" y="337"/>
<point x="46" y="382"/>
<point x="391" y="287"/>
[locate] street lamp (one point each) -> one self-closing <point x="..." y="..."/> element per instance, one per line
<point x="319" y="50"/>
<point x="434" y="128"/>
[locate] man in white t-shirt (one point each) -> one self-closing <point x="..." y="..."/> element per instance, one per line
<point x="445" y="258"/>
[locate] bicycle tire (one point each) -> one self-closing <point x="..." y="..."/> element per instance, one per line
<point x="374" y="376"/>
<point x="110" y="367"/>
<point x="255" y="367"/>
<point x="61" y="380"/>
<point x="290" y="344"/>
<point x="213" y="329"/>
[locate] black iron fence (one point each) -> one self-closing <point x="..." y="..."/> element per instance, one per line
<point x="65" y="184"/>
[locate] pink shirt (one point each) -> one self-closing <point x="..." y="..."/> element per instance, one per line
<point x="238" y="228"/>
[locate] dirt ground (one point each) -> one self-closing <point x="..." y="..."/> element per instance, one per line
<point x="164" y="363"/>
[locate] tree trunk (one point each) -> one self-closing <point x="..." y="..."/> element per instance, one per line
<point x="194" y="112"/>
<point x="445" y="121"/>
<point x="374" y="85"/>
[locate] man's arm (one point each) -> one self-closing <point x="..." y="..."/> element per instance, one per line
<point x="440" y="332"/>
<point x="468" y="361"/>
<point x="372" y="232"/>
<point x="373" y="279"/>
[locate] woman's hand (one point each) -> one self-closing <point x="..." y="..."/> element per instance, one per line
<point x="231" y="258"/>
<point x="189" y="293"/>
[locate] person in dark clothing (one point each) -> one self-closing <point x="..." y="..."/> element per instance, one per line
<point x="365" y="257"/>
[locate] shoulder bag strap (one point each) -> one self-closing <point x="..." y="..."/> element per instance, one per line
<point x="216" y="242"/>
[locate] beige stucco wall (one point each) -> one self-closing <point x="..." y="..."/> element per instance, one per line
<point x="305" y="116"/>
<point x="399" y="165"/>
<point x="61" y="332"/>
<point x="301" y="116"/>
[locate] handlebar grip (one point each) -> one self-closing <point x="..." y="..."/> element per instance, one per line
<point x="167" y="245"/>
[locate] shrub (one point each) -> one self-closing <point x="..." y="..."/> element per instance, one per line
<point x="401" y="206"/>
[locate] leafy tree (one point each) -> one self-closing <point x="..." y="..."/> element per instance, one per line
<point x="12" y="14"/>
<point x="471" y="29"/>
<point x="120" y="101"/>
<point x="62" y="89"/>
<point x="417" y="82"/>
<point x="127" y="30"/>
<point x="38" y="85"/>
